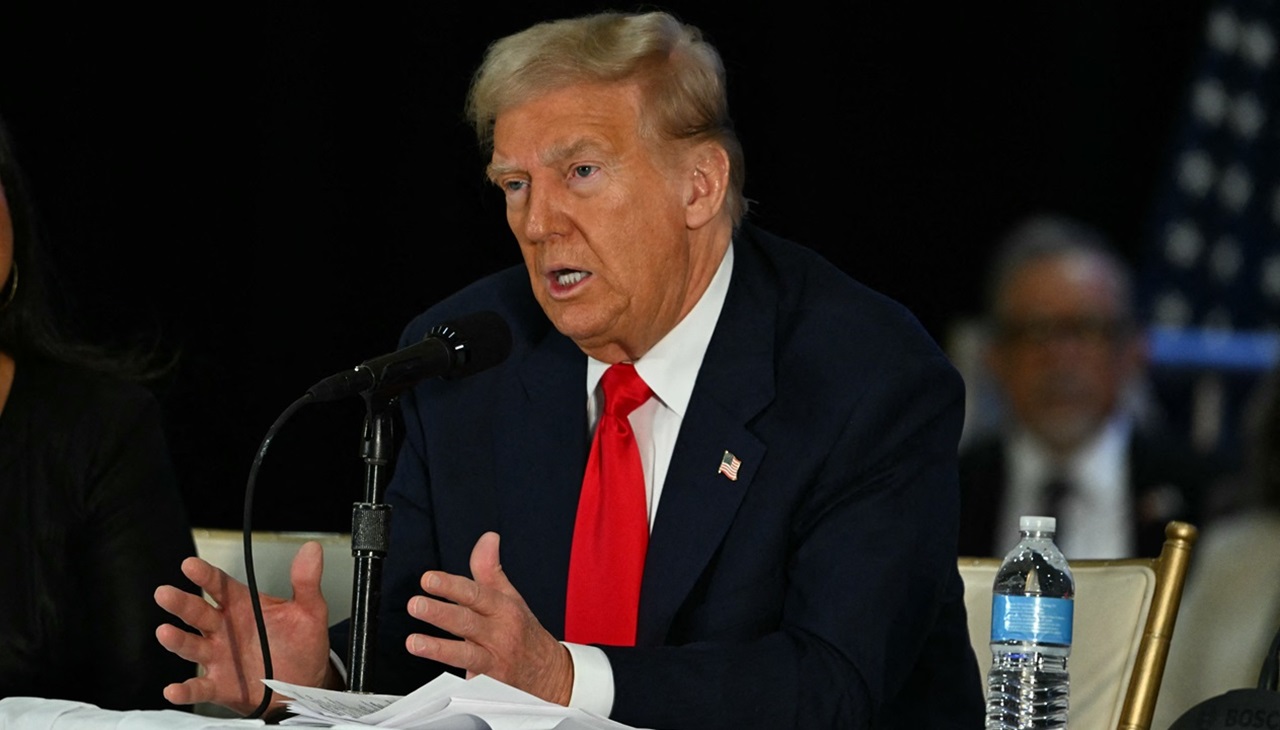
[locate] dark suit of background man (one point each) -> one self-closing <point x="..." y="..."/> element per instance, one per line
<point x="1069" y="358"/>
<point x="812" y="585"/>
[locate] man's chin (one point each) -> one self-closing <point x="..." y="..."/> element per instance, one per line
<point x="587" y="333"/>
<point x="1066" y="432"/>
<point x="579" y="329"/>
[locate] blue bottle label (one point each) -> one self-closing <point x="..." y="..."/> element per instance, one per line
<point x="1032" y="618"/>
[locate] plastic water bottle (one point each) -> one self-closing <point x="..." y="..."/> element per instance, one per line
<point x="1032" y="605"/>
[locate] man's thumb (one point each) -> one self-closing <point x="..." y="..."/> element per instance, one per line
<point x="486" y="565"/>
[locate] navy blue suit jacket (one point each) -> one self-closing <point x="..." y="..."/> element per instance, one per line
<point x="818" y="590"/>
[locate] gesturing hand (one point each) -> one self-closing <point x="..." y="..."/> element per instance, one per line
<point x="227" y="646"/>
<point x="499" y="635"/>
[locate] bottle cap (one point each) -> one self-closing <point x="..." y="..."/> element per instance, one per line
<point x="1037" y="523"/>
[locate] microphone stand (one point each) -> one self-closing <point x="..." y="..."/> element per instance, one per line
<point x="370" y="536"/>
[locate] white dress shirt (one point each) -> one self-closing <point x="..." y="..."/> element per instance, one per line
<point x="670" y="369"/>
<point x="1096" y="517"/>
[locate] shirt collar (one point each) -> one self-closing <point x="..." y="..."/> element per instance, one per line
<point x="1087" y="468"/>
<point x="671" y="366"/>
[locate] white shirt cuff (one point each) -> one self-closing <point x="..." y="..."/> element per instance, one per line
<point x="339" y="665"/>
<point x="592" y="679"/>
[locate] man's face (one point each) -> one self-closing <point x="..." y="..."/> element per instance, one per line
<point x="601" y="219"/>
<point x="1064" y="352"/>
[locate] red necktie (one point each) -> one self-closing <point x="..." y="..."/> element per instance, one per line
<point x="611" y="533"/>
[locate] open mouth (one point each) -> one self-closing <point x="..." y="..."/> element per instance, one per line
<point x="564" y="282"/>
<point x="567" y="278"/>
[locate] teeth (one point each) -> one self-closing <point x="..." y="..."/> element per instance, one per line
<point x="569" y="278"/>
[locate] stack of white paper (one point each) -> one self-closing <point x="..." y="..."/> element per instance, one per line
<point x="445" y="703"/>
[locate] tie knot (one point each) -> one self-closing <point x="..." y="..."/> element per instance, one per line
<point x="624" y="390"/>
<point x="1057" y="488"/>
<point x="1056" y="493"/>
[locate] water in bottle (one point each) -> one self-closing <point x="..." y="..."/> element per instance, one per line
<point x="1031" y="617"/>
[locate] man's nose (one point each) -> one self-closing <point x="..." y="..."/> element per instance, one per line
<point x="545" y="216"/>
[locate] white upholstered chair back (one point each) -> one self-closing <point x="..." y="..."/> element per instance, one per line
<point x="273" y="554"/>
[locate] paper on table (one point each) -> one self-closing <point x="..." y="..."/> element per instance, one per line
<point x="440" y="693"/>
<point x="448" y="702"/>
<point x="330" y="704"/>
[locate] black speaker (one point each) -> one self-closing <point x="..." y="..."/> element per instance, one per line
<point x="1241" y="708"/>
<point x="1237" y="709"/>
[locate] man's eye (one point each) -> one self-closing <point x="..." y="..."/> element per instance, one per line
<point x="584" y="170"/>
<point x="514" y="186"/>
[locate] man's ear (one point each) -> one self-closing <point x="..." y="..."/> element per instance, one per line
<point x="707" y="184"/>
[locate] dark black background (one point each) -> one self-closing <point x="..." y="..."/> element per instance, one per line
<point x="278" y="188"/>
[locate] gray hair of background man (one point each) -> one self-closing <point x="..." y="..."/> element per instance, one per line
<point x="1046" y="235"/>
<point x="682" y="76"/>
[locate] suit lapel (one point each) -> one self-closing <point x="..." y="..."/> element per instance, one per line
<point x="735" y="382"/>
<point x="537" y="482"/>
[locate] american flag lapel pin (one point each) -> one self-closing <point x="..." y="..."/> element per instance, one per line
<point x="729" y="466"/>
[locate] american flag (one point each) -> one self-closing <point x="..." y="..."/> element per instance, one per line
<point x="1213" y="260"/>
<point x="729" y="465"/>
<point x="1209" y="282"/>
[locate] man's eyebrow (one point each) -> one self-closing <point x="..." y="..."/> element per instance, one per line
<point x="568" y="150"/>
<point x="495" y="170"/>
<point x="549" y="157"/>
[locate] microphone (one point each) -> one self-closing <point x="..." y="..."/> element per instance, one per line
<point x="453" y="349"/>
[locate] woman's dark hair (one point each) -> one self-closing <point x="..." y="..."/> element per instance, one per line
<point x="33" y="323"/>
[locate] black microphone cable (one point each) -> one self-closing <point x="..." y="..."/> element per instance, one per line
<point x="250" y="577"/>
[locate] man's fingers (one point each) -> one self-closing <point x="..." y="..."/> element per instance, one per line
<point x="183" y="643"/>
<point x="457" y="620"/>
<point x="200" y="571"/>
<point x="487" y="592"/>
<point x="194" y="610"/>
<point x="455" y="588"/>
<point x="191" y="691"/>
<point x="212" y="579"/>
<point x="305" y="573"/>
<point x="461" y="654"/>
<point x="486" y="564"/>
<point x="180" y="694"/>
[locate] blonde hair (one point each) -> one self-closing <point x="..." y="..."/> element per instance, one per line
<point x="680" y="74"/>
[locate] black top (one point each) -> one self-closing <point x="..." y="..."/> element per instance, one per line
<point x="93" y="522"/>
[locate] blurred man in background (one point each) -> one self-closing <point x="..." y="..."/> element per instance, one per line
<point x="1068" y="356"/>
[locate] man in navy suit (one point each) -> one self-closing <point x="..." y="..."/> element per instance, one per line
<point x="799" y="450"/>
<point x="1069" y="358"/>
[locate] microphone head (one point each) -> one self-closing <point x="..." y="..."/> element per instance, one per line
<point x="478" y="341"/>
